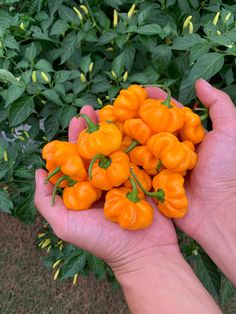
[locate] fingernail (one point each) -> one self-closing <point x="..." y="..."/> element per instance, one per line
<point x="204" y="82"/>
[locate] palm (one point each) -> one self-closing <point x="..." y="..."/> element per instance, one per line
<point x="211" y="181"/>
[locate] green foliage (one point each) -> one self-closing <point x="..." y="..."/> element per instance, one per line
<point x="52" y="62"/>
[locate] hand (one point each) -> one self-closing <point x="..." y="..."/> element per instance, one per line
<point x="147" y="263"/>
<point x="211" y="186"/>
<point x="91" y="231"/>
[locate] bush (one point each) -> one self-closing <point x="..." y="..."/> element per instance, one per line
<point x="56" y="56"/>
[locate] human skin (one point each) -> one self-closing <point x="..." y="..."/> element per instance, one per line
<point x="154" y="276"/>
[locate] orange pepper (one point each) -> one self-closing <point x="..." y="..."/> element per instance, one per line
<point x="142" y="156"/>
<point x="63" y="158"/>
<point x="174" y="155"/>
<point x="110" y="171"/>
<point x="175" y="204"/>
<point x="127" y="103"/>
<point x="192" y="130"/>
<point x="80" y="196"/>
<point x="138" y="130"/>
<point x="107" y="114"/>
<point x="103" y="138"/>
<point x="142" y="176"/>
<point x="123" y="206"/>
<point x="126" y="142"/>
<point x="161" y="116"/>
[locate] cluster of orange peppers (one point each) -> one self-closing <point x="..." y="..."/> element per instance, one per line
<point x="141" y="146"/>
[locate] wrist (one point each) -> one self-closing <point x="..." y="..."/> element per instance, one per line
<point x="218" y="239"/>
<point x="163" y="282"/>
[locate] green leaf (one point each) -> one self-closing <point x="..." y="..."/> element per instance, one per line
<point x="6" y="204"/>
<point x="197" y="51"/>
<point x="73" y="266"/>
<point x="100" y="84"/>
<point x="20" y="110"/>
<point x="44" y="65"/>
<point x="7" y="77"/>
<point x="52" y="95"/>
<point x="208" y="273"/>
<point x="206" y="66"/>
<point x="227" y="290"/>
<point x="10" y="42"/>
<point x="67" y="113"/>
<point x="67" y="14"/>
<point x="161" y="57"/>
<point x="84" y="63"/>
<point x="13" y="93"/>
<point x="31" y="53"/>
<point x="54" y="6"/>
<point x="59" y="27"/>
<point x="5" y="20"/>
<point x="188" y="41"/>
<point x="149" y="29"/>
<point x="106" y="38"/>
<point x="69" y="45"/>
<point x="3" y="146"/>
<point x="51" y="125"/>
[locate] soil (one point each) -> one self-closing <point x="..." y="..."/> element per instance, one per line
<point x="27" y="287"/>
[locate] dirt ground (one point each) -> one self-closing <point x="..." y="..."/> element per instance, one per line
<point x="26" y="286"/>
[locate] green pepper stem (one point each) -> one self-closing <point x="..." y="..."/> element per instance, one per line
<point x="55" y="171"/>
<point x="204" y="116"/>
<point x="104" y="162"/>
<point x="160" y="194"/>
<point x="133" y="195"/>
<point x="63" y="178"/>
<point x="131" y="146"/>
<point x="159" y="165"/>
<point x="92" y="127"/>
<point x="168" y="98"/>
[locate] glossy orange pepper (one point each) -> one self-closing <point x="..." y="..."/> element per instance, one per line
<point x="80" y="196"/>
<point x="175" y="204"/>
<point x="142" y="176"/>
<point x="107" y="114"/>
<point x="137" y="129"/>
<point x="160" y="116"/>
<point x="127" y="103"/>
<point x="142" y="156"/>
<point x="103" y="138"/>
<point x="110" y="171"/>
<point x="126" y="142"/>
<point x="192" y="130"/>
<point x="123" y="206"/>
<point x="174" y="155"/>
<point x="63" y="158"/>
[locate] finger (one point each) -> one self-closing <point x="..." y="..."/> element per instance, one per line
<point x="158" y="93"/>
<point x="76" y="126"/>
<point x="221" y="108"/>
<point x="89" y="111"/>
<point x="55" y="214"/>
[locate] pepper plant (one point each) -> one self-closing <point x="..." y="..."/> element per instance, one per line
<point x="56" y="56"/>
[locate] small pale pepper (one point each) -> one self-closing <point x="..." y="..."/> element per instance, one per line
<point x="127" y="103"/>
<point x="80" y="196"/>
<point x="142" y="156"/>
<point x="137" y="129"/>
<point x="192" y="130"/>
<point x="63" y="158"/>
<point x="174" y="155"/>
<point x="106" y="172"/>
<point x="175" y="204"/>
<point x="124" y="206"/>
<point x="102" y="138"/>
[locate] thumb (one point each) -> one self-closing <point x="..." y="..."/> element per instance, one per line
<point x="221" y="108"/>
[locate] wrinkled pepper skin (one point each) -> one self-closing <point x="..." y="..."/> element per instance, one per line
<point x="143" y="178"/>
<point x="137" y="129"/>
<point x="130" y="215"/>
<point x="126" y="142"/>
<point x="142" y="156"/>
<point x="80" y="196"/>
<point x="192" y="130"/>
<point x="64" y="155"/>
<point x="161" y="118"/>
<point x="114" y="175"/>
<point x="127" y="103"/>
<point x="105" y="140"/>
<point x="176" y="203"/>
<point x="174" y="155"/>
<point x="107" y="114"/>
